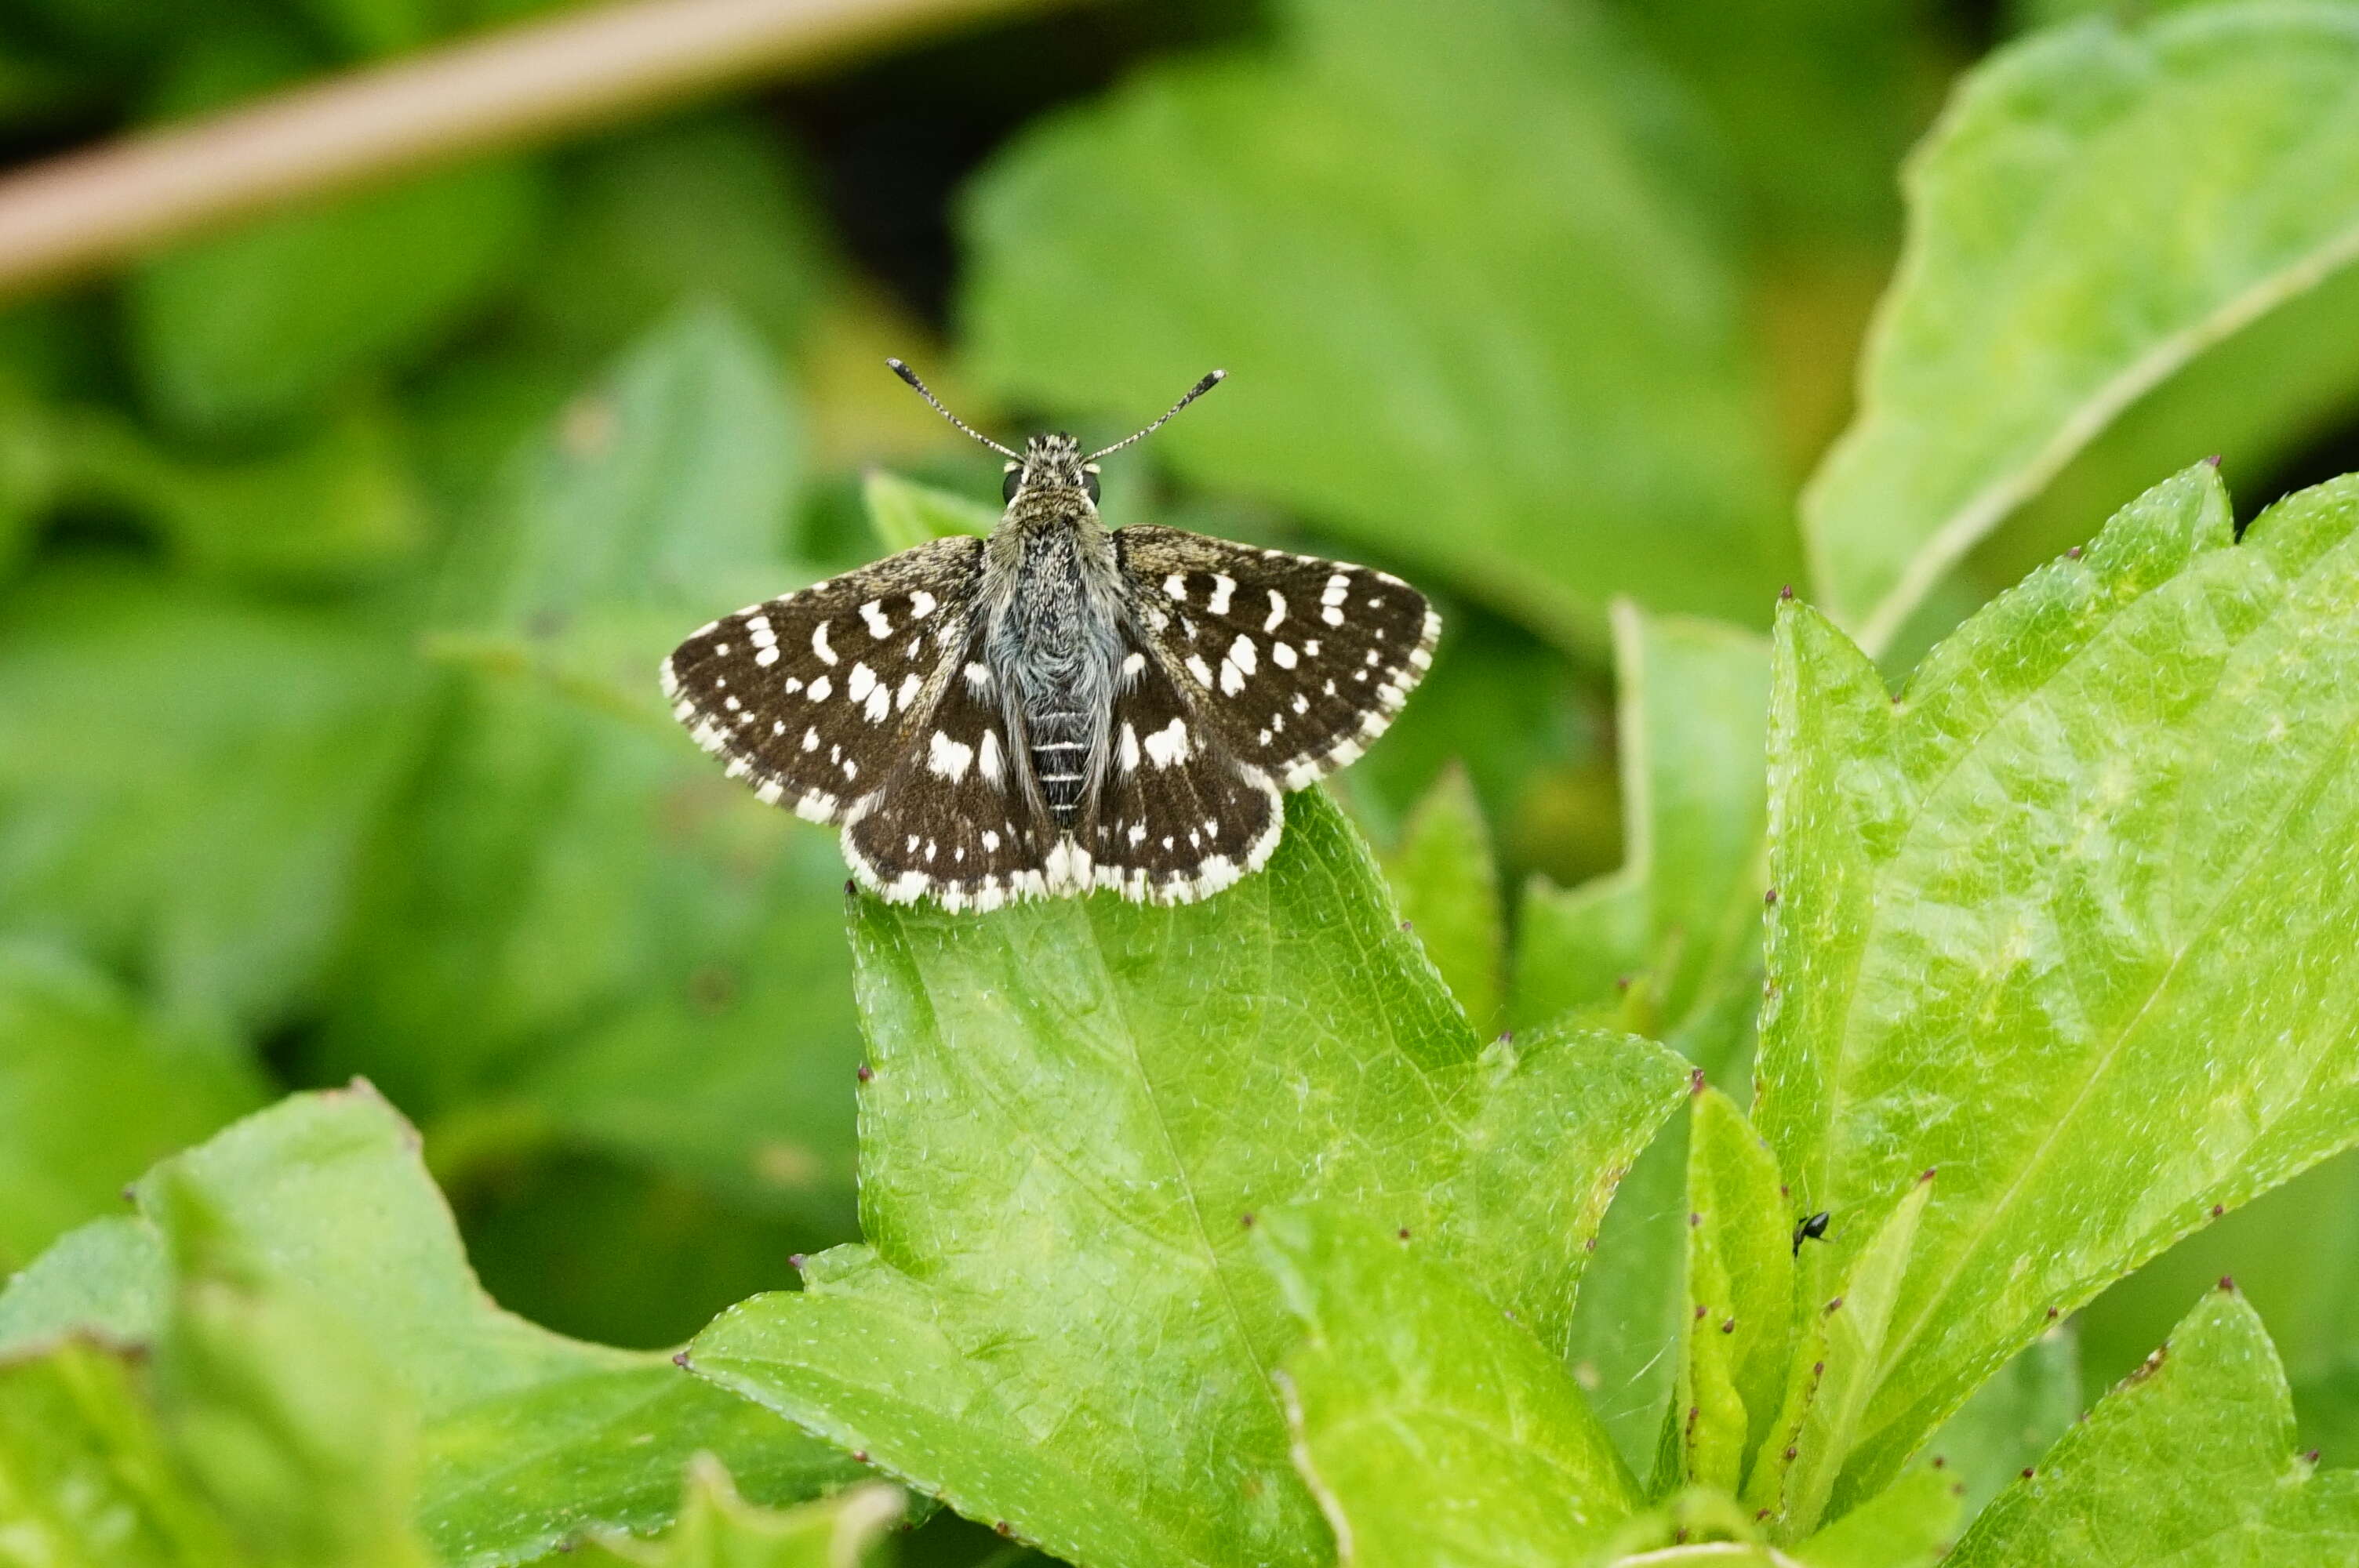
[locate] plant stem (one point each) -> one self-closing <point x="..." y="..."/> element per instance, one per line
<point x="83" y="210"/>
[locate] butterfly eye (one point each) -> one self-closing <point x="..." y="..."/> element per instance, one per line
<point x="1090" y="482"/>
<point x="1010" y="481"/>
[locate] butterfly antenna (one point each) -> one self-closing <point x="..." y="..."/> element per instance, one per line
<point x="1195" y="392"/>
<point x="905" y="373"/>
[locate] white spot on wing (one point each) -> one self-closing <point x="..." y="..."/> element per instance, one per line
<point x="921" y="604"/>
<point x="990" y="760"/>
<point x="1168" y="746"/>
<point x="1176" y="587"/>
<point x="879" y="627"/>
<point x="819" y="644"/>
<point x="1223" y="587"/>
<point x="1129" y="748"/>
<point x="1276" y="610"/>
<point x="1199" y="669"/>
<point x="947" y="758"/>
<point x="1283" y="654"/>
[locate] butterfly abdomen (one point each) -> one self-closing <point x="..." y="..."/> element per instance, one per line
<point x="1054" y="644"/>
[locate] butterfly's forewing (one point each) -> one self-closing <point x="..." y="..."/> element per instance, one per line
<point x="814" y="698"/>
<point x="1295" y="663"/>
<point x="1177" y="817"/>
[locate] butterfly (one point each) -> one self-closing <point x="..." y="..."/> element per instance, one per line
<point x="1058" y="707"/>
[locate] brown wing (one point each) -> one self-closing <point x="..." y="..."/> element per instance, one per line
<point x="1178" y="816"/>
<point x="1296" y="663"/>
<point x="814" y="698"/>
<point x="953" y="820"/>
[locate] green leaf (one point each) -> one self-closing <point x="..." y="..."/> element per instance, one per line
<point x="186" y="778"/>
<point x="2262" y="399"/>
<point x="575" y="906"/>
<point x="2010" y="1421"/>
<point x="2189" y="1461"/>
<point x="1449" y="892"/>
<point x="2294" y="1254"/>
<point x="718" y="1528"/>
<point x="528" y="1437"/>
<point x="1740" y="1292"/>
<point x="103" y="1280"/>
<point x="1431" y="1427"/>
<point x="2097" y="206"/>
<point x="1838" y="1350"/>
<point x="1077" y="1108"/>
<point x="92" y="1092"/>
<point x="2060" y="922"/>
<point x="1632" y="1297"/>
<point x="1907" y="1526"/>
<point x="1680" y="922"/>
<point x="1405" y="255"/>
<point x="907" y="515"/>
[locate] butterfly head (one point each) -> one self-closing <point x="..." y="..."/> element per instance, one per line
<point x="1052" y="466"/>
<point x="1052" y="463"/>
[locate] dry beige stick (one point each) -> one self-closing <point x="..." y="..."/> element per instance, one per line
<point x="85" y="209"/>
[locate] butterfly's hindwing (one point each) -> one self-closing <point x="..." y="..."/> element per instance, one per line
<point x="952" y="820"/>
<point x="812" y="699"/>
<point x="1297" y="664"/>
<point x="1177" y="815"/>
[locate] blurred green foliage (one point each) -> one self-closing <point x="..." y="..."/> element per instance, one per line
<point x="337" y="551"/>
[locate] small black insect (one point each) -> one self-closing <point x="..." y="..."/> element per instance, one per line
<point x="1056" y="708"/>
<point x="1811" y="1229"/>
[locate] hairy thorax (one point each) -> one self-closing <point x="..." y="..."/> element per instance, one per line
<point x="1053" y="641"/>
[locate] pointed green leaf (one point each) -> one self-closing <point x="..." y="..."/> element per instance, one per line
<point x="1447" y="887"/>
<point x="94" y="1091"/>
<point x="2097" y="206"/>
<point x="1740" y="1296"/>
<point x="1403" y="254"/>
<point x="1078" y="1108"/>
<point x="2191" y="1461"/>
<point x="527" y="1436"/>
<point x="1839" y="1350"/>
<point x="1431" y="1428"/>
<point x="718" y="1528"/>
<point x="907" y="515"/>
<point x="2066" y="921"/>
<point x="1681" y="918"/>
